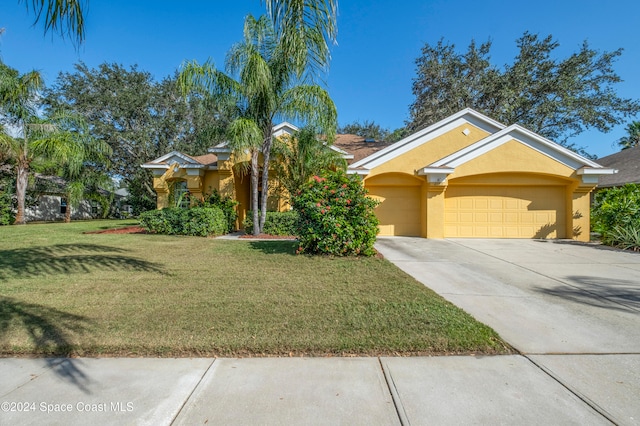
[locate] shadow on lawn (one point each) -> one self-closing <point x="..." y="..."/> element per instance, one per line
<point x="600" y="292"/>
<point x="120" y="225"/>
<point x="275" y="247"/>
<point x="69" y="259"/>
<point x="50" y="332"/>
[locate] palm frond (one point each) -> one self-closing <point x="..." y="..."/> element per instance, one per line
<point x="65" y="17"/>
<point x="244" y="135"/>
<point x="311" y="105"/>
<point x="307" y="28"/>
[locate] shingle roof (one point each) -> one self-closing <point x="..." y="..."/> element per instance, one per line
<point x="356" y="145"/>
<point x="206" y="160"/>
<point x="627" y="162"/>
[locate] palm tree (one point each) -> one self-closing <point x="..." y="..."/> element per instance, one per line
<point x="65" y="17"/>
<point x="59" y="138"/>
<point x="633" y="136"/>
<point x="301" y="156"/>
<point x="82" y="157"/>
<point x="17" y="104"/>
<point x="263" y="83"/>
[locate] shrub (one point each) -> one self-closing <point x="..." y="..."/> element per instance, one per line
<point x="615" y="214"/>
<point x="336" y="216"/>
<point x="6" y="211"/>
<point x="196" y="221"/>
<point x="625" y="237"/>
<point x="276" y="223"/>
<point x="226" y="204"/>
<point x="204" y="221"/>
<point x="615" y="207"/>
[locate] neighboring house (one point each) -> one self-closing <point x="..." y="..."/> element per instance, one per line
<point x="627" y="162"/>
<point x="51" y="204"/>
<point x="465" y="176"/>
<point x="121" y="198"/>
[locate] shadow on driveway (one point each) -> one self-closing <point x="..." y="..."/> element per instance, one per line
<point x="600" y="292"/>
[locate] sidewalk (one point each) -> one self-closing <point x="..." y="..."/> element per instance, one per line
<point x="300" y="391"/>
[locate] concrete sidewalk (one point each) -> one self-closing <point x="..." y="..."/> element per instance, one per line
<point x="274" y="391"/>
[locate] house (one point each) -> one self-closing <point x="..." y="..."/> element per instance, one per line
<point x="627" y="162"/>
<point x="465" y="176"/>
<point x="51" y="203"/>
<point x="48" y="202"/>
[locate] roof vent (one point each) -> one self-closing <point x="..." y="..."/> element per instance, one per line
<point x="466" y="132"/>
<point x="370" y="140"/>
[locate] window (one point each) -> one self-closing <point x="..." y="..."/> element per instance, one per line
<point x="63" y="205"/>
<point x="94" y="207"/>
<point x="180" y="194"/>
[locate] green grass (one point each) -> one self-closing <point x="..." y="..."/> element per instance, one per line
<point x="63" y="292"/>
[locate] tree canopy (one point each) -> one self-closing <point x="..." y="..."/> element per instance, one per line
<point x="139" y="118"/>
<point x="556" y="98"/>
<point x="366" y="129"/>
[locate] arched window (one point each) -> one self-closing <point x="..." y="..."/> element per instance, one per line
<point x="180" y="194"/>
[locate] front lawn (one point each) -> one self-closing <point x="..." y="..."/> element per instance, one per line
<point x="67" y="293"/>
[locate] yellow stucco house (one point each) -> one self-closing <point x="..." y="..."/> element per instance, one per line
<point x="465" y="176"/>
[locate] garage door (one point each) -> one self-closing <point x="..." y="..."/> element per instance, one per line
<point x="399" y="209"/>
<point x="505" y="212"/>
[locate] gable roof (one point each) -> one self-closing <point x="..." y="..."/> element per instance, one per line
<point x="522" y="135"/>
<point x="627" y="162"/>
<point x="466" y="116"/>
<point x="185" y="161"/>
<point x="499" y="134"/>
<point x="284" y="128"/>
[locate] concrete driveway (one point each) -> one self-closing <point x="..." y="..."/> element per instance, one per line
<point x="541" y="296"/>
<point x="571" y="309"/>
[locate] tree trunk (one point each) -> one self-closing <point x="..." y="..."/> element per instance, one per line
<point x="255" y="177"/>
<point x="22" y="180"/>
<point x="266" y="154"/>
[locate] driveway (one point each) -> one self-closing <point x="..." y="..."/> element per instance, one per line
<point x="571" y="309"/>
<point x="543" y="297"/>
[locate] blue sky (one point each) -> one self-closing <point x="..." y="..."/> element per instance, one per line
<point x="378" y="41"/>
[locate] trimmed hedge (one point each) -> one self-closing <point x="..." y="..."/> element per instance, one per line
<point x="226" y="204"/>
<point x="276" y="223"/>
<point x="196" y="221"/>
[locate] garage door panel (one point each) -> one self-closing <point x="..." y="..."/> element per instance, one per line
<point x="505" y="212"/>
<point x="481" y="217"/>
<point x="399" y="209"/>
<point x="511" y="204"/>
